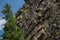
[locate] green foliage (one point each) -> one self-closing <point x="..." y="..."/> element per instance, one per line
<point x="11" y="31"/>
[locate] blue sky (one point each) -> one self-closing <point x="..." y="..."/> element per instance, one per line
<point x="2" y="22"/>
<point x="15" y="5"/>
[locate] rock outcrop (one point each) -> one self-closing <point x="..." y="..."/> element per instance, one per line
<point x="40" y="19"/>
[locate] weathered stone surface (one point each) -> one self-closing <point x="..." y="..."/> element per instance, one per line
<point x="40" y="19"/>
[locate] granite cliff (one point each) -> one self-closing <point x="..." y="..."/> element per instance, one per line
<point x="40" y="19"/>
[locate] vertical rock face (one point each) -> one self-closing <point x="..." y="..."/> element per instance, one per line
<point x="40" y="19"/>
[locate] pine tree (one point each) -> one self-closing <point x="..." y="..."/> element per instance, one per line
<point x="11" y="31"/>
